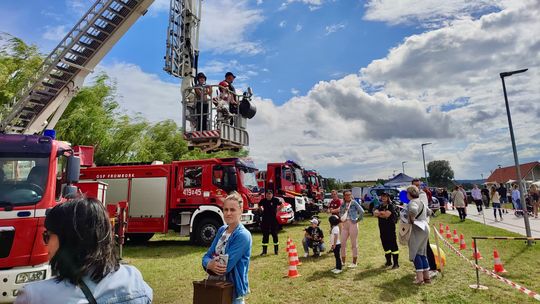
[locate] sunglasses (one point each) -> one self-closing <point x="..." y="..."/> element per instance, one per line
<point x="46" y="237"/>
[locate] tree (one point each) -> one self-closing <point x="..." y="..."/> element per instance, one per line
<point x="440" y="173"/>
<point x="18" y="62"/>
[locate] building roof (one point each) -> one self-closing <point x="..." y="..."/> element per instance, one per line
<point x="502" y="175"/>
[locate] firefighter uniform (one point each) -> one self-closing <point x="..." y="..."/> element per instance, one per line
<point x="269" y="224"/>
<point x="387" y="229"/>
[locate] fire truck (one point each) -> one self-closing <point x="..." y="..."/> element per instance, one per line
<point x="37" y="171"/>
<point x="184" y="196"/>
<point x="287" y="181"/>
<point x="315" y="189"/>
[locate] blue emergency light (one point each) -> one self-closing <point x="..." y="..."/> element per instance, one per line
<point x="50" y="133"/>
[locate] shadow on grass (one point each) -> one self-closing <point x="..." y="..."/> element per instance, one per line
<point x="398" y="288"/>
<point x="161" y="243"/>
<point x="321" y="274"/>
<point x="370" y="273"/>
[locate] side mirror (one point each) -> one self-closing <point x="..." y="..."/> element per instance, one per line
<point x="73" y="169"/>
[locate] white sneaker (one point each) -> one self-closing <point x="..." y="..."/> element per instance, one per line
<point x="306" y="254"/>
<point x="336" y="271"/>
<point x="352" y="265"/>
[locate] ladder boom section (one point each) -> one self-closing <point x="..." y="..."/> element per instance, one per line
<point x="183" y="38"/>
<point x="64" y="70"/>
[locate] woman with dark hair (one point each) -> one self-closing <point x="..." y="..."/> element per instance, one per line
<point x="80" y="245"/>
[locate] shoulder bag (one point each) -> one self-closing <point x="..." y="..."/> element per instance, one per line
<point x="343" y="218"/>
<point x="405" y="230"/>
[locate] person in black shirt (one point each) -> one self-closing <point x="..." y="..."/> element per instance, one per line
<point x="485" y="196"/>
<point x="387" y="228"/>
<point x="313" y="238"/>
<point x="269" y="225"/>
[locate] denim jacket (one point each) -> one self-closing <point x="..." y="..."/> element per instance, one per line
<point x="126" y="285"/>
<point x="239" y="250"/>
<point x="356" y="212"/>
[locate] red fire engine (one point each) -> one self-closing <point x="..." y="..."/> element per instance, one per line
<point x="315" y="189"/>
<point x="36" y="173"/>
<point x="185" y="196"/>
<point x="287" y="181"/>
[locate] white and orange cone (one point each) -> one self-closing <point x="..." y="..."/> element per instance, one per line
<point x="448" y="235"/>
<point x="293" y="256"/>
<point x="456" y="238"/>
<point x="478" y="255"/>
<point x="441" y="229"/>
<point x="462" y="244"/>
<point x="498" y="267"/>
<point x="293" y="262"/>
<point x="289" y="242"/>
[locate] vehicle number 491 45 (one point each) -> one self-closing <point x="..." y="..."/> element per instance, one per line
<point x="192" y="192"/>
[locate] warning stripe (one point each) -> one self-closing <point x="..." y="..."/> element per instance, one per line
<point x="203" y="134"/>
<point x="522" y="289"/>
<point x="506" y="238"/>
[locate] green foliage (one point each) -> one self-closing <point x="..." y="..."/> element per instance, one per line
<point x="440" y="173"/>
<point x="93" y="117"/>
<point x="18" y="62"/>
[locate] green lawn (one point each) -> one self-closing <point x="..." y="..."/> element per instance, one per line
<point x="169" y="265"/>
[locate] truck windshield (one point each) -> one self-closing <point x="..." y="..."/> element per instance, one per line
<point x="249" y="179"/>
<point x="23" y="179"/>
<point x="299" y="176"/>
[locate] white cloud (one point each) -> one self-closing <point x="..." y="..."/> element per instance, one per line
<point x="312" y="4"/>
<point x="295" y="91"/>
<point x="145" y="93"/>
<point x="298" y="27"/>
<point x="55" y="33"/>
<point x="330" y="29"/>
<point x="428" y="12"/>
<point x="282" y="23"/>
<point x="345" y="132"/>
<point x="225" y="25"/>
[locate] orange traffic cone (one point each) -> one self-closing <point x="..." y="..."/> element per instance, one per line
<point x="478" y="255"/>
<point x="293" y="262"/>
<point x="456" y="239"/>
<point x="462" y="245"/>
<point x="448" y="235"/>
<point x="441" y="230"/>
<point x="289" y="242"/>
<point x="498" y="267"/>
<point x="293" y="256"/>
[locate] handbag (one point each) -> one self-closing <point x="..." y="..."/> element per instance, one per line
<point x="212" y="291"/>
<point x="405" y="230"/>
<point x="343" y="218"/>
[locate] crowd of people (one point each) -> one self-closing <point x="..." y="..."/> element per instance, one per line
<point x="85" y="266"/>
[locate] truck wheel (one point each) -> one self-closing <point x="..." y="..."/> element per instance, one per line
<point x="139" y="238"/>
<point x="206" y="231"/>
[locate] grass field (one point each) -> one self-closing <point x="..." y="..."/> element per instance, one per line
<point x="169" y="265"/>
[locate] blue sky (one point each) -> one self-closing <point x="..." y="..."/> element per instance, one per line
<point x="349" y="87"/>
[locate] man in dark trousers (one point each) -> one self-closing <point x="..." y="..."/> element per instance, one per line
<point x="269" y="225"/>
<point x="387" y="227"/>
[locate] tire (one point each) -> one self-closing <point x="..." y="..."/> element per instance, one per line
<point x="139" y="238"/>
<point x="206" y="231"/>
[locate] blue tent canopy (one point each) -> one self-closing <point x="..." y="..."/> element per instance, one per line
<point x="399" y="180"/>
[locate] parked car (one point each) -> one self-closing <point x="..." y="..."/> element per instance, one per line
<point x="328" y="199"/>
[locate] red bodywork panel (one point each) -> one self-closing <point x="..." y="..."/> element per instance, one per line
<point x="178" y="197"/>
<point x="27" y="248"/>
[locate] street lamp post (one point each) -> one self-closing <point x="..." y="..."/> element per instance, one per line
<point x="403" y="166"/>
<point x="424" y="159"/>
<point x="516" y="160"/>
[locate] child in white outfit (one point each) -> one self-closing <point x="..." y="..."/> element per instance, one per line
<point x="335" y="242"/>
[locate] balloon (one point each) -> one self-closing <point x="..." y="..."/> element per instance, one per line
<point x="435" y="253"/>
<point x="403" y="197"/>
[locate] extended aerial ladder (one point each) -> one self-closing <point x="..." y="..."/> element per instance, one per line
<point x="205" y="122"/>
<point x="41" y="102"/>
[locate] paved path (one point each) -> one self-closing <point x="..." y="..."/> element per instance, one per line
<point x="510" y="221"/>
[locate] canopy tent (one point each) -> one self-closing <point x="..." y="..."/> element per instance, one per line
<point x="399" y="180"/>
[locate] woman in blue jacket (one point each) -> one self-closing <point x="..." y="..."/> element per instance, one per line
<point x="234" y="240"/>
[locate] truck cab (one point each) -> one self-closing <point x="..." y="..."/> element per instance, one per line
<point x="33" y="179"/>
